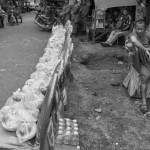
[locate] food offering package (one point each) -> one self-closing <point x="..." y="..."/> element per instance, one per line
<point x="68" y="133"/>
<point x="22" y="109"/>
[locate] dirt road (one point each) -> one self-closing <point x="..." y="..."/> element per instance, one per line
<point x="20" y="49"/>
<point x="98" y="84"/>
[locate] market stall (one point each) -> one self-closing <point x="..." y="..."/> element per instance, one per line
<point x="31" y="116"/>
<point x="98" y="29"/>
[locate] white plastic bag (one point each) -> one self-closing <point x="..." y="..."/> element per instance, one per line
<point x="26" y="131"/>
<point x="34" y="75"/>
<point x="28" y="93"/>
<point x="17" y="96"/>
<point x="11" y="122"/>
<point x="25" y="115"/>
<point x="34" y="112"/>
<point x="4" y="111"/>
<point x="29" y="82"/>
<point x="35" y="86"/>
<point x="35" y="102"/>
<point x="10" y="102"/>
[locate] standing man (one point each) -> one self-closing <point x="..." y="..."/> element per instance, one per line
<point x="140" y="10"/>
<point x="84" y="11"/>
<point x="66" y="12"/>
<point x="75" y="16"/>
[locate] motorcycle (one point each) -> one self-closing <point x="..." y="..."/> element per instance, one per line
<point x="46" y="22"/>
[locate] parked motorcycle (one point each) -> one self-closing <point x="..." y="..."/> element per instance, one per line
<point x="46" y="22"/>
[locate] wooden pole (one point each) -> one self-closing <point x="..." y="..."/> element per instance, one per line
<point x="94" y="30"/>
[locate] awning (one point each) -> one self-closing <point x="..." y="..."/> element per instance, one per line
<point x="104" y="4"/>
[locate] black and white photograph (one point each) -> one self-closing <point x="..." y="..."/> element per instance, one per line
<point x="74" y="74"/>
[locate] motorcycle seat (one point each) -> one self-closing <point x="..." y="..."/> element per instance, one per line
<point x="44" y="16"/>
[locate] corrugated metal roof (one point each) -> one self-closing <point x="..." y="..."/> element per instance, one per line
<point x="104" y="4"/>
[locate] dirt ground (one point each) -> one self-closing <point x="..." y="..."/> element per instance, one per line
<point x="98" y="84"/>
<point x="20" y="49"/>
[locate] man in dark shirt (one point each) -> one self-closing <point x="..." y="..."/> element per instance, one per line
<point x="84" y="11"/>
<point x="122" y="28"/>
<point x="66" y="12"/>
<point x="75" y="16"/>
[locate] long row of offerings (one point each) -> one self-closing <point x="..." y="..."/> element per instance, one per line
<point x="21" y="111"/>
<point x="54" y="131"/>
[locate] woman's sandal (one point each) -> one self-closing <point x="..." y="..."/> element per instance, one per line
<point x="144" y="109"/>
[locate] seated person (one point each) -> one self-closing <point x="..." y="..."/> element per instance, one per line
<point x="9" y="11"/>
<point x="122" y="28"/>
<point x="137" y="80"/>
<point x="115" y="18"/>
<point x="111" y="19"/>
<point x="2" y="14"/>
<point x="17" y="13"/>
<point x="47" y="16"/>
<point x="48" y="11"/>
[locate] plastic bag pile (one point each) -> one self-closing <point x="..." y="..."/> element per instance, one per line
<point x="21" y="111"/>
